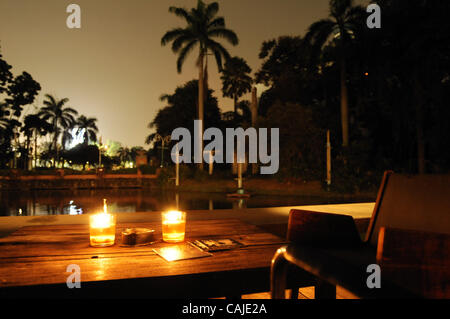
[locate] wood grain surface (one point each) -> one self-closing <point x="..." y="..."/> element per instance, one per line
<point x="37" y="257"/>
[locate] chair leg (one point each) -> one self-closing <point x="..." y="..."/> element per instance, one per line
<point x="324" y="290"/>
<point x="278" y="273"/>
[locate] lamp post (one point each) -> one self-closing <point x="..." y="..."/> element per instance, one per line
<point x="100" y="147"/>
<point x="177" y="167"/>
<point x="328" y="159"/>
<point x="254" y="110"/>
<point x="164" y="140"/>
<point x="177" y="171"/>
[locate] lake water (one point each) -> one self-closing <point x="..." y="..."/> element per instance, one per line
<point x="74" y="202"/>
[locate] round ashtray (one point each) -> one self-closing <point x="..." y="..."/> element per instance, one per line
<point x="138" y="236"/>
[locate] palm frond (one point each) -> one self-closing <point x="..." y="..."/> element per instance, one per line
<point x="171" y="35"/>
<point x="319" y="33"/>
<point x="202" y="24"/>
<point x="92" y="136"/>
<point x="181" y="40"/>
<point x="183" y="54"/>
<point x="217" y="23"/>
<point x="226" y="34"/>
<point x="182" y="13"/>
<point x="70" y="111"/>
<point x="355" y="14"/>
<point x="211" y="10"/>
<point x="200" y="7"/>
<point x="219" y="52"/>
<point x="50" y="98"/>
<point x="218" y="57"/>
<point x="61" y="103"/>
<point x="338" y="8"/>
<point x="150" y="138"/>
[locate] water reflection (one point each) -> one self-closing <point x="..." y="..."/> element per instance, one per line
<point x="74" y="210"/>
<point x="76" y="202"/>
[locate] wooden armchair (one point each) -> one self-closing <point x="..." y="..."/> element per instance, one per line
<point x="408" y="237"/>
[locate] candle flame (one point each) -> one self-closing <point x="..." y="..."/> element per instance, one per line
<point x="101" y="220"/>
<point x="173" y="216"/>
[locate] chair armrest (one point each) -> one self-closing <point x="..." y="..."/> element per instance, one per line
<point x="322" y="229"/>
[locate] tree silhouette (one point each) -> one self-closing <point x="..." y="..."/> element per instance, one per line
<point x="124" y="154"/>
<point x="59" y="116"/>
<point x="88" y="127"/>
<point x="236" y="80"/>
<point x="34" y="126"/>
<point x="15" y="92"/>
<point x="202" y="27"/>
<point x="341" y="26"/>
<point x="181" y="109"/>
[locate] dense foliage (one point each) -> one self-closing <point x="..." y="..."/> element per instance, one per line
<point x="382" y="93"/>
<point x="389" y="88"/>
<point x="15" y="93"/>
<point x="181" y="110"/>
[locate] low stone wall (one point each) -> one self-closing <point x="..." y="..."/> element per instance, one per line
<point x="77" y="182"/>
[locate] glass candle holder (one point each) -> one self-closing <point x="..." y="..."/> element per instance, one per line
<point x="173" y="226"/>
<point x="102" y="229"/>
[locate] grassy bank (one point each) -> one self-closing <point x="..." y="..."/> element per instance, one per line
<point x="191" y="180"/>
<point x="260" y="186"/>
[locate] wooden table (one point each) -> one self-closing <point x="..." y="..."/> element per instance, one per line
<point x="33" y="263"/>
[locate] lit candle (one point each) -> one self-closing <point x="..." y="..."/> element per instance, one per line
<point x="102" y="228"/>
<point x="173" y="226"/>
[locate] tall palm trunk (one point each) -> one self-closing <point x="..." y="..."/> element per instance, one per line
<point x="235" y="106"/>
<point x="201" y="95"/>
<point x="55" y="143"/>
<point x="344" y="102"/>
<point x="35" y="148"/>
<point x="27" y="157"/>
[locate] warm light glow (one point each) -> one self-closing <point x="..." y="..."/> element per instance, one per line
<point x="105" y="207"/>
<point x="101" y="220"/>
<point x="173" y="226"/>
<point x="172" y="253"/>
<point x="102" y="228"/>
<point x="77" y="138"/>
<point x="172" y="217"/>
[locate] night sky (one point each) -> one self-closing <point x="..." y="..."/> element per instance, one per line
<point x="114" y="67"/>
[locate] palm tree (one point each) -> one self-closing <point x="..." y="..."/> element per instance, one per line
<point x="3" y="116"/>
<point x="59" y="116"/>
<point x="341" y="26"/>
<point x="34" y="126"/>
<point x="88" y="127"/>
<point x="124" y="154"/>
<point x="202" y="26"/>
<point x="236" y="80"/>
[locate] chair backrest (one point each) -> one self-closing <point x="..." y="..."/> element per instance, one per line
<point x="420" y="202"/>
<point x="321" y="229"/>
